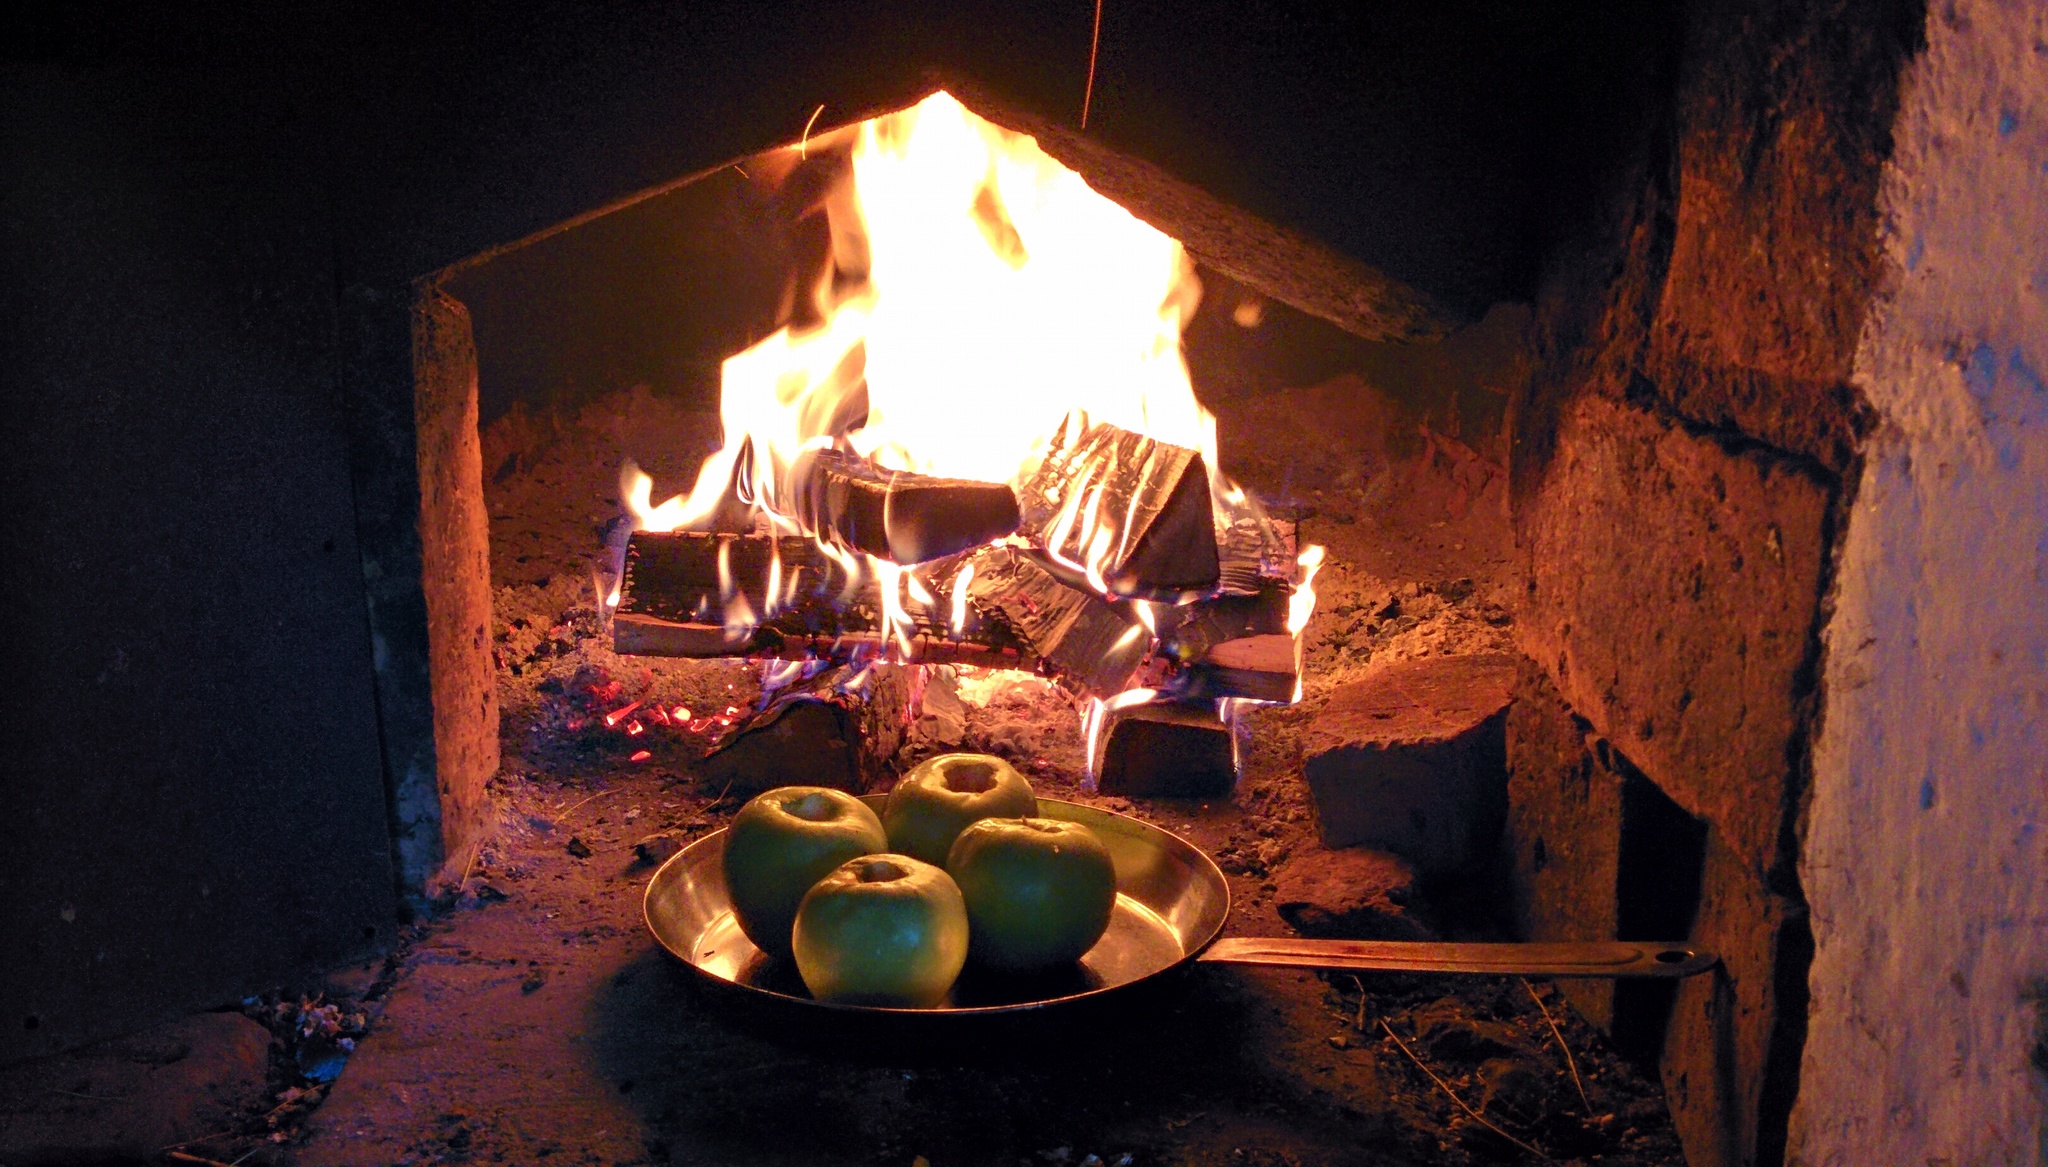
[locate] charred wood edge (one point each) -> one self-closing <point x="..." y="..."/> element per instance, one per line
<point x="1256" y="551"/>
<point x="1075" y="634"/>
<point x="634" y="635"/>
<point x="1195" y="714"/>
<point x="1284" y="264"/>
<point x="1237" y="644"/>
<point x="902" y="517"/>
<point x="870" y="707"/>
<point x="1159" y="492"/>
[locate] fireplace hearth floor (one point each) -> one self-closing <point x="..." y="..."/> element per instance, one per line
<point x="544" y="1027"/>
<point x="534" y="1021"/>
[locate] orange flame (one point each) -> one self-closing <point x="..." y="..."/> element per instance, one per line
<point x="999" y="294"/>
<point x="979" y="297"/>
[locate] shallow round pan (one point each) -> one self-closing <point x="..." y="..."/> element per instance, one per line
<point x="1171" y="903"/>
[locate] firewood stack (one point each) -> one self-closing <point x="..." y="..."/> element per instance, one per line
<point x="1050" y="576"/>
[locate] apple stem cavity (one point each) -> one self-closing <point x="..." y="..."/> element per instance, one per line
<point x="814" y="808"/>
<point x="881" y="871"/>
<point x="971" y="778"/>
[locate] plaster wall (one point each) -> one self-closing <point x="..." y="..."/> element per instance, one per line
<point x="1926" y="857"/>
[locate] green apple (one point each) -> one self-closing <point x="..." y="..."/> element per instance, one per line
<point x="781" y="843"/>
<point x="882" y="930"/>
<point x="929" y="807"/>
<point x="1038" y="891"/>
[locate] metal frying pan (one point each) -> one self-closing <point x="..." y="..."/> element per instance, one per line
<point x="1170" y="906"/>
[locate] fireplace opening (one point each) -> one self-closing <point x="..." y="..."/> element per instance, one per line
<point x="641" y="698"/>
<point x="597" y="377"/>
<point x="1646" y="585"/>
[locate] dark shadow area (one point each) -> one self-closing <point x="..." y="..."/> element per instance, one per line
<point x="718" y="1073"/>
<point x="1663" y="859"/>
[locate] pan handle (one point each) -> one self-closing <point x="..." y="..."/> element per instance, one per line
<point x="1584" y="958"/>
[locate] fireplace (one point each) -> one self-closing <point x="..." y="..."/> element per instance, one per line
<point x="1664" y="403"/>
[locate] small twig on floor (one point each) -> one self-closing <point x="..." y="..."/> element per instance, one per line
<point x="1358" y="1025"/>
<point x="1569" y="1062"/>
<point x="470" y="866"/>
<point x="564" y="816"/>
<point x="201" y="1139"/>
<point x="182" y="1157"/>
<point x="90" y="1097"/>
<point x="1453" y="1096"/>
<point x="312" y="1097"/>
<point x="713" y="804"/>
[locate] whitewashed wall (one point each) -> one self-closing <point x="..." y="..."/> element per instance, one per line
<point x="1927" y="851"/>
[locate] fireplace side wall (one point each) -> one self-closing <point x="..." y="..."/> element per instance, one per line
<point x="456" y="577"/>
<point x="1679" y="470"/>
<point x="1925" y="860"/>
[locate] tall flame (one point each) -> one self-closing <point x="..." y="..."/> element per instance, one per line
<point x="978" y="297"/>
<point x="981" y="293"/>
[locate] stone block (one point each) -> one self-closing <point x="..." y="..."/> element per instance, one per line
<point x="1674" y="589"/>
<point x="1732" y="1048"/>
<point x="1773" y="220"/>
<point x="1353" y="894"/>
<point x="1410" y="758"/>
<point x="1167" y="750"/>
<point x="1595" y="852"/>
<point x="1563" y="835"/>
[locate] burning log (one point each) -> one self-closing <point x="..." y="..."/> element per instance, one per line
<point x="647" y="636"/>
<point x="1091" y="641"/>
<point x="688" y="576"/>
<point x="1258" y="668"/>
<point x="898" y="516"/>
<point x="1136" y="508"/>
<point x="671" y="603"/>
<point x="1237" y="644"/>
<point x="840" y="728"/>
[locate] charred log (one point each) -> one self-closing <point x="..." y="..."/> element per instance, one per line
<point x="898" y="516"/>
<point x="1237" y="644"/>
<point x="672" y="602"/>
<point x="691" y="577"/>
<point x="1174" y="749"/>
<point x="1255" y="553"/>
<point x="840" y="728"/>
<point x="1146" y="501"/>
<point x="648" y="636"/>
<point x="1090" y="641"/>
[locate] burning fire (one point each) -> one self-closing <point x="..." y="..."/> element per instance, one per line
<point x="981" y="293"/>
<point x="981" y="307"/>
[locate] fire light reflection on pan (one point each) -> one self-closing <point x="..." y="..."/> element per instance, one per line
<point x="987" y="430"/>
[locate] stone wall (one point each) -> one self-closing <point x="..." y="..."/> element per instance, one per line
<point x="1924" y="857"/>
<point x="1679" y="469"/>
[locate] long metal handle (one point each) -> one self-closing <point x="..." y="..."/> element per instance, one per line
<point x="1591" y="958"/>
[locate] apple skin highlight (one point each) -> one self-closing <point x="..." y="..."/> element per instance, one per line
<point x="1039" y="892"/>
<point x="929" y="807"/>
<point x="885" y="930"/>
<point x="780" y="844"/>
